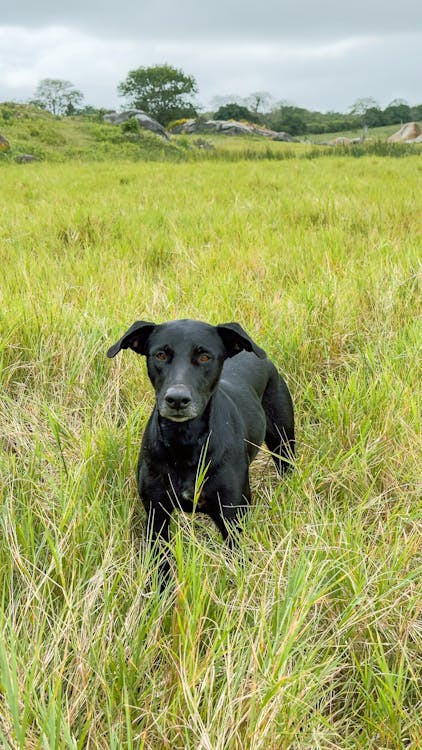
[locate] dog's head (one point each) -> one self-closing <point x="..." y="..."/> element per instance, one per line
<point x="184" y="360"/>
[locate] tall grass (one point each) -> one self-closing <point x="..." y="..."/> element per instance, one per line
<point x="309" y="636"/>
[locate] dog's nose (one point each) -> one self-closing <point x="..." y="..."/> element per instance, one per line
<point x="178" y="397"/>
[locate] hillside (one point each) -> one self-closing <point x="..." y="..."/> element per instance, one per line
<point x="30" y="130"/>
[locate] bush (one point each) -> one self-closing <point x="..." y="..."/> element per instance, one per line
<point x="177" y="123"/>
<point x="236" y="112"/>
<point x="130" y="126"/>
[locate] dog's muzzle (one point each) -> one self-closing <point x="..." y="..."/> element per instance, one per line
<point x="177" y="404"/>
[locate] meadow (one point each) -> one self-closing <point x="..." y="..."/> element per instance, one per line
<point x="309" y="635"/>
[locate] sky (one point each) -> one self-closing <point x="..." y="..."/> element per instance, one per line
<point x="320" y="55"/>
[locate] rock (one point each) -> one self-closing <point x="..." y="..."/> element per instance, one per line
<point x="416" y="140"/>
<point x="230" y="127"/>
<point x="25" y="158"/>
<point x="408" y="132"/>
<point x="199" y="126"/>
<point x="144" y="120"/>
<point x="265" y="132"/>
<point x="282" y="136"/>
<point x="4" y="144"/>
<point x="189" y="126"/>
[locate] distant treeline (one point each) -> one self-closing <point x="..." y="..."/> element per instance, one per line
<point x="299" y="121"/>
<point x="167" y="94"/>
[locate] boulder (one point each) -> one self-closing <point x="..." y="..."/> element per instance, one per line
<point x="282" y="136"/>
<point x="408" y="132"/>
<point x="25" y="158"/>
<point x="144" y="120"/>
<point x="4" y="144"/>
<point x="232" y="127"/>
<point x="198" y="126"/>
<point x="189" y="126"/>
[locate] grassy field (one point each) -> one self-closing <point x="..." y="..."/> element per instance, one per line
<point x="309" y="637"/>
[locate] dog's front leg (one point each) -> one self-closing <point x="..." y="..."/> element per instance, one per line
<point x="229" y="526"/>
<point x="229" y="504"/>
<point x="158" y="523"/>
<point x="227" y="517"/>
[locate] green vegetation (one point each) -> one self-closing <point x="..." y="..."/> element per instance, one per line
<point x="34" y="131"/>
<point x="308" y="636"/>
<point x="304" y="122"/>
<point x="167" y="93"/>
<point x="163" y="91"/>
<point x="57" y="96"/>
<point x="235" y="112"/>
<point x="31" y="130"/>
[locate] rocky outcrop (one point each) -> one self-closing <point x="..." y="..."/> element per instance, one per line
<point x="188" y="126"/>
<point x="144" y="120"/>
<point x="408" y="132"/>
<point x="229" y="127"/>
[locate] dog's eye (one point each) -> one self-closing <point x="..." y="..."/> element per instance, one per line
<point x="203" y="357"/>
<point x="162" y="356"/>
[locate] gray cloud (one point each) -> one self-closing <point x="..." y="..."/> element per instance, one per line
<point x="220" y="19"/>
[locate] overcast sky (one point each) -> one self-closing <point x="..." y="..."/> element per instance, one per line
<point x="320" y="55"/>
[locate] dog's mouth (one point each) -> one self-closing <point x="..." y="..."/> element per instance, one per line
<point x="177" y="415"/>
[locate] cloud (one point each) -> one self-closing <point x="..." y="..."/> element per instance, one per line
<point x="220" y="19"/>
<point x="94" y="65"/>
<point x="316" y="69"/>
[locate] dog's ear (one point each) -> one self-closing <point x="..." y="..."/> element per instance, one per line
<point x="135" y="338"/>
<point x="235" y="340"/>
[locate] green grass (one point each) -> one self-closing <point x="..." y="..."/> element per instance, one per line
<point x="309" y="636"/>
<point x="30" y="130"/>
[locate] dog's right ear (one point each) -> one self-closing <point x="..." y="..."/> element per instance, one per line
<point x="135" y="338"/>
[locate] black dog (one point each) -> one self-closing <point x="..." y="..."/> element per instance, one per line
<point x="218" y="397"/>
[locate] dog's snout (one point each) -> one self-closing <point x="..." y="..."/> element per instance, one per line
<point x="178" y="397"/>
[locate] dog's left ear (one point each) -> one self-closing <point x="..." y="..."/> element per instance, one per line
<point x="235" y="340"/>
<point x="135" y="338"/>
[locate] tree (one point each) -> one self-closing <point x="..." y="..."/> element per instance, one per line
<point x="416" y="112"/>
<point x="57" y="96"/>
<point x="367" y="110"/>
<point x="289" y="118"/>
<point x="162" y="91"/>
<point x="259" y="101"/>
<point x="397" y="111"/>
<point x="373" y="117"/>
<point x="235" y="111"/>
